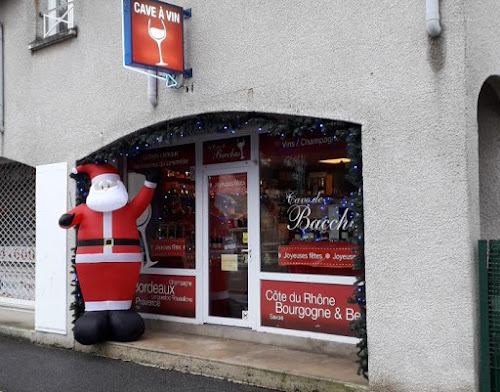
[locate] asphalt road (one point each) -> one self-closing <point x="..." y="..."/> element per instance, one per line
<point x="26" y="367"/>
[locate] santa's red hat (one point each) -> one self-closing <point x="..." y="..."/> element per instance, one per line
<point x="98" y="173"/>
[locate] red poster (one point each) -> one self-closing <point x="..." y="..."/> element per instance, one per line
<point x="318" y="254"/>
<point x="228" y="184"/>
<point x="170" y="247"/>
<point x="157" y="34"/>
<point x="308" y="307"/>
<point x="179" y="158"/>
<point x="166" y="294"/>
<point x="226" y="150"/>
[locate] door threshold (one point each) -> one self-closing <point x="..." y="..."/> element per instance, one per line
<point x="306" y="344"/>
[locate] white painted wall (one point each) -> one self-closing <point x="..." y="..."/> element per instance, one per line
<point x="369" y="62"/>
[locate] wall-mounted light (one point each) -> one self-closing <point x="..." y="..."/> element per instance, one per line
<point x="335" y="161"/>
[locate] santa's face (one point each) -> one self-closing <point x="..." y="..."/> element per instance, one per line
<point x="106" y="196"/>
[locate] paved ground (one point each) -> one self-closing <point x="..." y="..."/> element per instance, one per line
<point x="25" y="367"/>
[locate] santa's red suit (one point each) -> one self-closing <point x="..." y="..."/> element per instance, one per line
<point x="108" y="257"/>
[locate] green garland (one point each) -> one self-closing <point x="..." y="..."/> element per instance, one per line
<point x="170" y="132"/>
<point x="77" y="306"/>
<point x="353" y="139"/>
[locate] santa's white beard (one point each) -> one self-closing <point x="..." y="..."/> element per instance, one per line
<point x="107" y="200"/>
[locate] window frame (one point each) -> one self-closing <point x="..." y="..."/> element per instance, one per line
<point x="54" y="26"/>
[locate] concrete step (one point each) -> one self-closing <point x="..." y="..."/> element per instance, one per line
<point x="307" y="344"/>
<point x="240" y="361"/>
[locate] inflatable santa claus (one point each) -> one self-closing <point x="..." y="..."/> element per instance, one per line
<point x="108" y="256"/>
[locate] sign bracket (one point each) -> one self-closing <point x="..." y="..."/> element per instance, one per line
<point x="168" y="79"/>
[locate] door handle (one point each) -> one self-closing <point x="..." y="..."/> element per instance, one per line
<point x="248" y="251"/>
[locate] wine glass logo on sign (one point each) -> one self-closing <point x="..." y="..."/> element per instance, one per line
<point x="158" y="35"/>
<point x="241" y="144"/>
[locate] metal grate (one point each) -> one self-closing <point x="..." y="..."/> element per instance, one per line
<point x="17" y="231"/>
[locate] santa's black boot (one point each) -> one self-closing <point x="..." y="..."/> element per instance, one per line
<point x="125" y="325"/>
<point x="92" y="327"/>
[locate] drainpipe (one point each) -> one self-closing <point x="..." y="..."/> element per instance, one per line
<point x="152" y="89"/>
<point x="2" y="129"/>
<point x="433" y="18"/>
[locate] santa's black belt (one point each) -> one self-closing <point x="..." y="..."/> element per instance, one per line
<point x="108" y="242"/>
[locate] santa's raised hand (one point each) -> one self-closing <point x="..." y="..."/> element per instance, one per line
<point x="108" y="256"/>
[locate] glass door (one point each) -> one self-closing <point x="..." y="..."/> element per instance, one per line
<point x="228" y="250"/>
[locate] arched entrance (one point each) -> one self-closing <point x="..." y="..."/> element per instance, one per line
<point x="489" y="157"/>
<point x="257" y="222"/>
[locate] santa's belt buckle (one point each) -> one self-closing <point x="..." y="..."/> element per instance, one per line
<point x="109" y="242"/>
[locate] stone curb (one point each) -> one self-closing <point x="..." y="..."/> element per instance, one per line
<point x="266" y="378"/>
<point x="25" y="334"/>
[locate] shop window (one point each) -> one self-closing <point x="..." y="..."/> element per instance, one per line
<point x="306" y="222"/>
<point x="168" y="227"/>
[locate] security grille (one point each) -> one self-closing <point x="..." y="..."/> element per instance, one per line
<point x="17" y="232"/>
